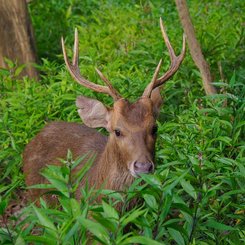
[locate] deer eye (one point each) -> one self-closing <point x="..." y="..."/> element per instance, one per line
<point x="117" y="132"/>
<point x="154" y="130"/>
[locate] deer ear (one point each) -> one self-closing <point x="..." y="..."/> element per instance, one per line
<point x="93" y="113"/>
<point x="156" y="100"/>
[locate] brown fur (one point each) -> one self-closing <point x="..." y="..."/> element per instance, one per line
<point x="113" y="154"/>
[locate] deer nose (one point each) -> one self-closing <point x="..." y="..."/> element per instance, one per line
<point x="143" y="167"/>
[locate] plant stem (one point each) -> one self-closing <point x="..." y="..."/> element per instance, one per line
<point x="158" y="216"/>
<point x="194" y="222"/>
<point x="198" y="201"/>
<point x="5" y="222"/>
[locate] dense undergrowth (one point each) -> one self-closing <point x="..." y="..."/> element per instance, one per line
<point x="196" y="195"/>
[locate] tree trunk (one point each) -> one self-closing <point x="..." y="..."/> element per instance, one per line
<point x="194" y="46"/>
<point x="16" y="36"/>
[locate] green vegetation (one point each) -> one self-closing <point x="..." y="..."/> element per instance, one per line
<point x="196" y="195"/>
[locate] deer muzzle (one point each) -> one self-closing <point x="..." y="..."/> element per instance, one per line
<point x="143" y="168"/>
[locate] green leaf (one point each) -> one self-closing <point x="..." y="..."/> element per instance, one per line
<point x="19" y="69"/>
<point x="233" y="80"/>
<point x="43" y="203"/>
<point x="176" y="235"/>
<point x="233" y="192"/>
<point x="141" y="240"/>
<point x="57" y="182"/>
<point x="42" y="239"/>
<point x="224" y="139"/>
<point x="134" y="214"/>
<point x="79" y="160"/>
<point x="240" y="124"/>
<point x="5" y="72"/>
<point x="44" y="220"/>
<point x="20" y="241"/>
<point x="188" y="188"/>
<point x="112" y="194"/>
<point x="9" y="62"/>
<point x="153" y="180"/>
<point x="168" y="188"/>
<point x="225" y="160"/>
<point x="241" y="169"/>
<point x="68" y="12"/>
<point x="110" y="224"/>
<point x="182" y="207"/>
<point x="75" y="207"/>
<point x="3" y="206"/>
<point x="70" y="230"/>
<point x="78" y="176"/>
<point x="40" y="186"/>
<point x="219" y="226"/>
<point x="109" y="211"/>
<point x="166" y="206"/>
<point x="96" y="229"/>
<point x="150" y="201"/>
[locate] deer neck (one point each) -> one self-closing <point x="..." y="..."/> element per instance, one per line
<point x="111" y="172"/>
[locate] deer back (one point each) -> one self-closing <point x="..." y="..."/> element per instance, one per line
<point x="52" y="144"/>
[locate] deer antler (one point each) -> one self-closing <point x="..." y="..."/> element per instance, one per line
<point x="175" y="63"/>
<point x="75" y="73"/>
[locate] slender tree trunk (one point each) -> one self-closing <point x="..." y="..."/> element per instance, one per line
<point x="16" y="36"/>
<point x="194" y="46"/>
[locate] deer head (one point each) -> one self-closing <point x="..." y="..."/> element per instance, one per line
<point x="132" y="126"/>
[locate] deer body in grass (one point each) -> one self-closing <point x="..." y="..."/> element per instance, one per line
<point x="128" y="150"/>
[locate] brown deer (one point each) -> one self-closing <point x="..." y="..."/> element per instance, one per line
<point x="129" y="149"/>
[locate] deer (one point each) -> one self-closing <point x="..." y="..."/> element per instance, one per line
<point x="129" y="149"/>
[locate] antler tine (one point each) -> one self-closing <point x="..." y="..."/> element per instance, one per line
<point x="149" y="88"/>
<point x="75" y="72"/>
<point x="108" y="83"/>
<point x="75" y="49"/>
<point x="175" y="62"/>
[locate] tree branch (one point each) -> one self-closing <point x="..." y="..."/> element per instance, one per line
<point x="194" y="46"/>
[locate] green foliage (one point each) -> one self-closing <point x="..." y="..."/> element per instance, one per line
<point x="196" y="195"/>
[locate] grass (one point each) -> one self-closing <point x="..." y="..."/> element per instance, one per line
<point x="196" y="195"/>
